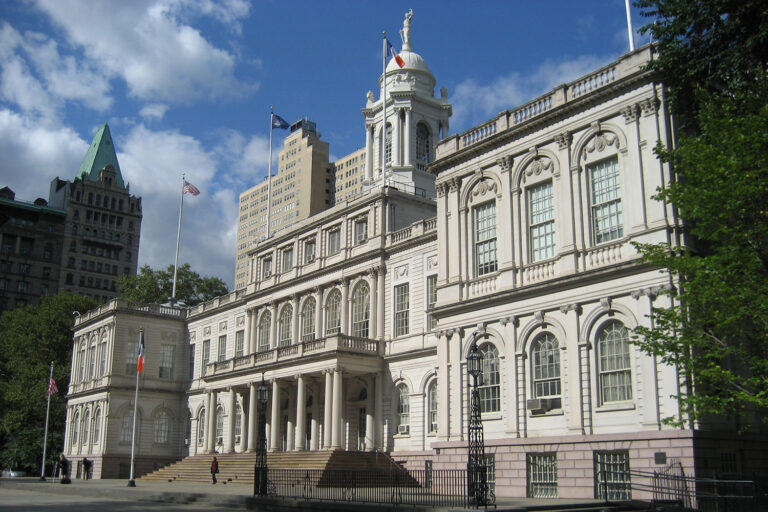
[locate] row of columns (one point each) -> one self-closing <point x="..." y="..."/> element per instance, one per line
<point x="296" y="425"/>
<point x="402" y="131"/>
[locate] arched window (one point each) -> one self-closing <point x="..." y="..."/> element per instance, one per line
<point x="86" y="428"/>
<point x="432" y="406"/>
<point x="238" y="420"/>
<point x="219" y="425"/>
<point x="92" y="359"/>
<point x="201" y="427"/>
<point x="545" y="368"/>
<point x="308" y="320"/>
<point x="333" y="313"/>
<point x="284" y="326"/>
<point x="615" y="379"/>
<point x="126" y="427"/>
<point x="361" y="310"/>
<point x="75" y="428"/>
<point x="97" y="426"/>
<point x="264" y="324"/>
<point x="162" y="424"/>
<point x="485" y="238"/>
<point x="98" y="199"/>
<point x="488" y="387"/>
<point x="403" y="410"/>
<point x="605" y="200"/>
<point x="388" y="144"/>
<point x="423" y="144"/>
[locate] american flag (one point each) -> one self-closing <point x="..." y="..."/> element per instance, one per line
<point x="190" y="189"/>
<point x="52" y="388"/>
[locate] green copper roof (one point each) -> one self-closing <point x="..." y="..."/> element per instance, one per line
<point x="99" y="155"/>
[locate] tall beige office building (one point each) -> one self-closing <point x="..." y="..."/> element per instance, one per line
<point x="347" y="174"/>
<point x="301" y="187"/>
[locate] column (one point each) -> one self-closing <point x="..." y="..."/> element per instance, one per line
<point x="253" y="418"/>
<point x="407" y="135"/>
<point x="327" y="413"/>
<point x="230" y="440"/>
<point x="377" y="411"/>
<point x="295" y="320"/>
<point x="370" y="427"/>
<point x="379" y="312"/>
<point x="212" y="421"/>
<point x="301" y="416"/>
<point x="396" y="138"/>
<point x="273" y="324"/>
<point x="337" y="411"/>
<point x="368" y="153"/>
<point x="290" y="425"/>
<point x="443" y="388"/>
<point x="373" y="332"/>
<point x="250" y="338"/>
<point x="344" y="306"/>
<point x="319" y="328"/>
<point x="313" y="426"/>
<point x="274" y="424"/>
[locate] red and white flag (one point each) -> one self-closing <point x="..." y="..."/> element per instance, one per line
<point x="190" y="189"/>
<point x="140" y="362"/>
<point x="52" y="388"/>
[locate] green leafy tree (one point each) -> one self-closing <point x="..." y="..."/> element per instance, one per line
<point x="33" y="337"/>
<point x="712" y="56"/>
<point x="157" y="285"/>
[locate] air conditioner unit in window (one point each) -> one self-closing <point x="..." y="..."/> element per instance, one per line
<point x="538" y="404"/>
<point x="402" y="429"/>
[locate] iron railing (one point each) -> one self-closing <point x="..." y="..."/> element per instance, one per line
<point x="437" y="487"/>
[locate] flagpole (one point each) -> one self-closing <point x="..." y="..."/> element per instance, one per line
<point x="131" y="481"/>
<point x="384" y="105"/>
<point x="45" y="437"/>
<point x="178" y="241"/>
<point x="629" y="27"/>
<point x="269" y="172"/>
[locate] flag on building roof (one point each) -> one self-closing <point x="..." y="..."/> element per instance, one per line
<point x="52" y="387"/>
<point x="391" y="51"/>
<point x="140" y="362"/>
<point x="190" y="189"/>
<point x="279" y="122"/>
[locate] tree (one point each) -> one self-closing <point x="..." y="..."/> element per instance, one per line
<point x="157" y="285"/>
<point x="713" y="58"/>
<point x="33" y="337"/>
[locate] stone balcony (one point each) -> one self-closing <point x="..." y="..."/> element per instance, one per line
<point x="329" y="346"/>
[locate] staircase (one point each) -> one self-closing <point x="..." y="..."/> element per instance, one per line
<point x="239" y="467"/>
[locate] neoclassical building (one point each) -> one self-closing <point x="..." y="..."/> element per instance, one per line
<point x="360" y="318"/>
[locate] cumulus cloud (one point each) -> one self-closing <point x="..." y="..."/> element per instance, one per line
<point x="474" y="102"/>
<point x="159" y="57"/>
<point x="153" y="111"/>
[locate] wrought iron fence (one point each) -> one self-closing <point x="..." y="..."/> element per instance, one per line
<point x="441" y="488"/>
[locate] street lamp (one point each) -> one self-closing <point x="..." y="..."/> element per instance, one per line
<point x="476" y="471"/>
<point x="260" y="480"/>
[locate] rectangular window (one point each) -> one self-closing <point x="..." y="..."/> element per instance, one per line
<point x="221" y="354"/>
<point x="431" y="301"/>
<point x="22" y="287"/>
<point x="206" y="356"/>
<point x="191" y="361"/>
<point x="287" y="259"/>
<point x="361" y="231"/>
<point x="309" y="251"/>
<point x="131" y="357"/>
<point x="541" y="221"/>
<point x="485" y="239"/>
<point x="239" y="343"/>
<point x="166" y="361"/>
<point x="605" y="201"/>
<point x="266" y="268"/>
<point x="24" y="268"/>
<point x="612" y="480"/>
<point x="334" y="241"/>
<point x="401" y="309"/>
<point x="490" y="472"/>
<point x="542" y="475"/>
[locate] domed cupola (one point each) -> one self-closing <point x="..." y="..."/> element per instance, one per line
<point x="415" y="121"/>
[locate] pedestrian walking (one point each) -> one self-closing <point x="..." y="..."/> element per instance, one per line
<point x="86" y="468"/>
<point x="214" y="469"/>
<point x="64" y="469"/>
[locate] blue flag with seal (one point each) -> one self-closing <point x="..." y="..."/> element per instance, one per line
<point x="279" y="122"/>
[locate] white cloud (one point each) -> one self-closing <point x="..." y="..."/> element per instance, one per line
<point x="159" y="57"/>
<point x="474" y="103"/>
<point x="153" y="111"/>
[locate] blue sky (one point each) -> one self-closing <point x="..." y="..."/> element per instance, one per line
<point x="186" y="85"/>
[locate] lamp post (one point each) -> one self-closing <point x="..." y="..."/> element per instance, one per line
<point x="476" y="471"/>
<point x="260" y="480"/>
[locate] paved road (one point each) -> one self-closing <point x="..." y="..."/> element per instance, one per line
<point x="15" y="500"/>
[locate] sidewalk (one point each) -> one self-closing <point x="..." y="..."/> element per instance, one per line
<point x="239" y="496"/>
